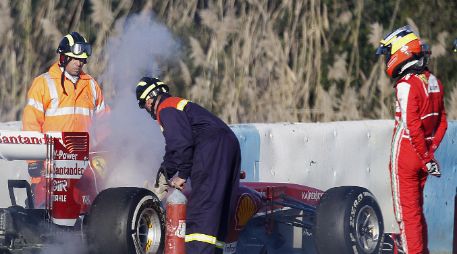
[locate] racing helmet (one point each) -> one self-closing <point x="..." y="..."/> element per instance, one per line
<point x="149" y="88"/>
<point x="400" y="48"/>
<point x="74" y="45"/>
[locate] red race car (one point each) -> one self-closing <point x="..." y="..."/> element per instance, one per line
<point x="132" y="220"/>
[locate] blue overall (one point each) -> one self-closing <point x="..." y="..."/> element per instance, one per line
<point x="200" y="146"/>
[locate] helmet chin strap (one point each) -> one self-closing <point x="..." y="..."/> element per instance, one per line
<point x="64" y="60"/>
<point x="153" y="107"/>
<point x="153" y="114"/>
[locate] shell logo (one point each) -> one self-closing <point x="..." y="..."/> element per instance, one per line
<point x="245" y="209"/>
<point x="99" y="164"/>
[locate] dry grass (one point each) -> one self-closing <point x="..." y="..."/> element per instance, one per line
<point x="247" y="61"/>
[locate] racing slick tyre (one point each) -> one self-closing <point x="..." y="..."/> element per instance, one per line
<point x="126" y="220"/>
<point x="348" y="220"/>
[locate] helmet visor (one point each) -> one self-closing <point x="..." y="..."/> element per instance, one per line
<point x="384" y="50"/>
<point x="425" y="49"/>
<point x="81" y="48"/>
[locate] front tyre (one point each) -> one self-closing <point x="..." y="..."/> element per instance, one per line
<point x="348" y="220"/>
<point x="126" y="220"/>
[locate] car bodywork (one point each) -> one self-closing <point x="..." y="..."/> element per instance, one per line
<point x="74" y="202"/>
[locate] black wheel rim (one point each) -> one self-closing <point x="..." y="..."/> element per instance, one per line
<point x="367" y="229"/>
<point x="148" y="232"/>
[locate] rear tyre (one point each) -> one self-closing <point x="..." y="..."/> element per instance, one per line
<point x="348" y="220"/>
<point x="126" y="220"/>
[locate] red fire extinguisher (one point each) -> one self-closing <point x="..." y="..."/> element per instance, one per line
<point x="175" y="223"/>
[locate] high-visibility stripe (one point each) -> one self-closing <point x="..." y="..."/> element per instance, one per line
<point x="94" y="92"/>
<point x="100" y="107"/>
<point x="204" y="238"/>
<point x="37" y="105"/>
<point x="68" y="111"/>
<point x="82" y="111"/>
<point x="181" y="104"/>
<point x="147" y="91"/>
<point x="171" y="102"/>
<point x="52" y="91"/>
<point x="70" y="39"/>
<point x="54" y="110"/>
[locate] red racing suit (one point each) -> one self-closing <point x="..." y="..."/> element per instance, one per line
<point x="420" y="124"/>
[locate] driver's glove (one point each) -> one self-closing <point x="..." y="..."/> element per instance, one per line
<point x="433" y="168"/>
<point x="160" y="187"/>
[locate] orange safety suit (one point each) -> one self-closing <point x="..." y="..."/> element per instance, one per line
<point x="50" y="109"/>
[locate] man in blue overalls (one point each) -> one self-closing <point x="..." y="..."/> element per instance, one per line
<point x="201" y="147"/>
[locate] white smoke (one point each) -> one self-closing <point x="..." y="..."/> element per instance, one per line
<point x="135" y="139"/>
<point x="135" y="145"/>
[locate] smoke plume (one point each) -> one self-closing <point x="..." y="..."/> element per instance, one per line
<point x="135" y="138"/>
<point x="134" y="144"/>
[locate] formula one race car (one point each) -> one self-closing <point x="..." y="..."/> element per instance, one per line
<point x="132" y="220"/>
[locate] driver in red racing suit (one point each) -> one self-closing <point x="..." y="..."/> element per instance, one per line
<point x="420" y="124"/>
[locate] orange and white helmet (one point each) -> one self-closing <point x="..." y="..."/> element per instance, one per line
<point x="400" y="48"/>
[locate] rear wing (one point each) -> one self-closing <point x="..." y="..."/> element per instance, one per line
<point x="66" y="157"/>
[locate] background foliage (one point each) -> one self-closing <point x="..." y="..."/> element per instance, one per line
<point x="247" y="61"/>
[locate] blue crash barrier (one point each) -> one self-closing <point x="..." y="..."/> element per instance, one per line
<point x="439" y="193"/>
<point x="249" y="139"/>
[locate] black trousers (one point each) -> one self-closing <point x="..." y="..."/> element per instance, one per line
<point x="215" y="178"/>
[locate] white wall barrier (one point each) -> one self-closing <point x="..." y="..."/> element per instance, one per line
<point x="324" y="155"/>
